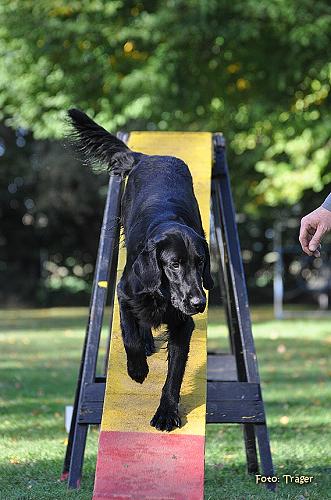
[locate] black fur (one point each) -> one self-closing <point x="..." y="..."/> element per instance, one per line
<point x="168" y="260"/>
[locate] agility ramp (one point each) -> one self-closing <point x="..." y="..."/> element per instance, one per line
<point x="135" y="461"/>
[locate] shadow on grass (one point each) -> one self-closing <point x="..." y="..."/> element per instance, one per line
<point x="47" y="319"/>
<point x="34" y="324"/>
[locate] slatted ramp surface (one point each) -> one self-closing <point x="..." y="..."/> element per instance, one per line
<point x="136" y="461"/>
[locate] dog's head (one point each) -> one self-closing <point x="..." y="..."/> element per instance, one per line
<point x="175" y="263"/>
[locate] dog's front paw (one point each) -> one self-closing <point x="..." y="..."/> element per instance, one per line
<point x="137" y="368"/>
<point x="166" y="418"/>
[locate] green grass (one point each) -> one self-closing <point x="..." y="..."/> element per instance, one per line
<point x="40" y="352"/>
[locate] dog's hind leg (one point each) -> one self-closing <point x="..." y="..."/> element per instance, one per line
<point x="146" y="334"/>
<point x="134" y="344"/>
<point x="167" y="416"/>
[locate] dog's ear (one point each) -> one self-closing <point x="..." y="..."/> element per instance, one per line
<point x="146" y="271"/>
<point x="208" y="282"/>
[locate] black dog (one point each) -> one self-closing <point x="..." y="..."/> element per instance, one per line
<point x="167" y="257"/>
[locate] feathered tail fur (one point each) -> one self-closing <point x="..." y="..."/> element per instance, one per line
<point x="101" y="149"/>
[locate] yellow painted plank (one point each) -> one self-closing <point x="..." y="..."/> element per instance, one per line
<point x="129" y="406"/>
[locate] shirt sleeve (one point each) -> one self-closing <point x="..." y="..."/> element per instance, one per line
<point x="327" y="203"/>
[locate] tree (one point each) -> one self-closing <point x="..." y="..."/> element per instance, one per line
<point x="257" y="70"/>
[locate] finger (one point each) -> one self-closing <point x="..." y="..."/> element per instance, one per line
<point x="317" y="252"/>
<point x="306" y="233"/>
<point x="316" y="239"/>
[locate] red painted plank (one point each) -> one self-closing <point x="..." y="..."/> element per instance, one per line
<point x="146" y="466"/>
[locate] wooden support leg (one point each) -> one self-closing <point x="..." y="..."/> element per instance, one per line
<point x="106" y="254"/>
<point x="265" y="453"/>
<point x="67" y="459"/>
<point x="250" y="446"/>
<point x="77" y="455"/>
<point x="242" y="339"/>
<point x="226" y="285"/>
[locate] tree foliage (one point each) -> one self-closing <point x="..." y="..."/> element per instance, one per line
<point x="257" y="70"/>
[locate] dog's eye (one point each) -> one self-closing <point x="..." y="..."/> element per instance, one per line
<point x="175" y="264"/>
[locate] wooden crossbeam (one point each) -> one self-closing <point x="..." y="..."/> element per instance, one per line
<point x="228" y="401"/>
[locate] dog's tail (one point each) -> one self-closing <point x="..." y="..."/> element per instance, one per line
<point x="101" y="149"/>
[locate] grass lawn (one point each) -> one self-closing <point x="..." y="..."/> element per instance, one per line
<point x="40" y="352"/>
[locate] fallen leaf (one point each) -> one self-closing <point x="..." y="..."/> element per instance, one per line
<point x="281" y="348"/>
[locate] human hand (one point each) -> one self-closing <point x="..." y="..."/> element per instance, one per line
<point x="313" y="227"/>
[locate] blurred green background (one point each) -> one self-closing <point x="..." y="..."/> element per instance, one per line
<point x="257" y="70"/>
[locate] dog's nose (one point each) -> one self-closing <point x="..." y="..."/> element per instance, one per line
<point x="198" y="303"/>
